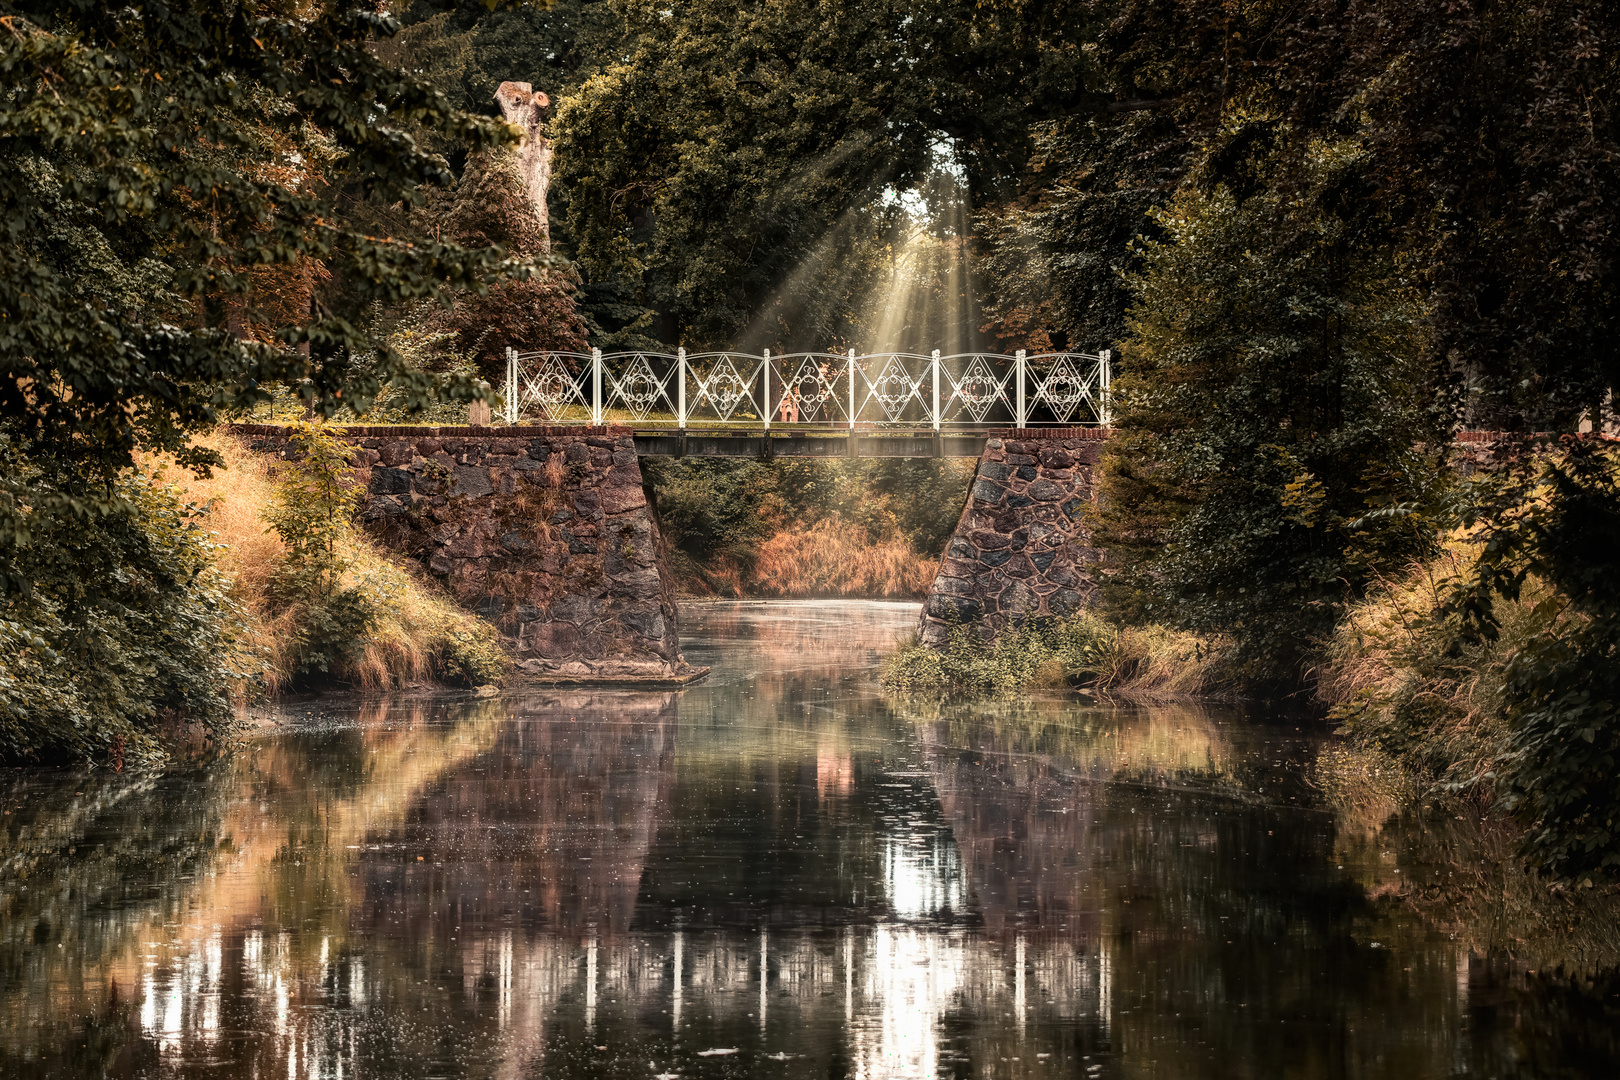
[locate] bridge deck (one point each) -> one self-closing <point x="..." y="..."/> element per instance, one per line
<point x="728" y="442"/>
<point x="900" y="444"/>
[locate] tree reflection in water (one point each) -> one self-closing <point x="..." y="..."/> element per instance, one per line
<point x="777" y="873"/>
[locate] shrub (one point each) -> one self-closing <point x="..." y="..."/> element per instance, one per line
<point x="1492" y="669"/>
<point x="314" y="499"/>
<point x="127" y="626"/>
<point x="1556" y="517"/>
<point x="1046" y="652"/>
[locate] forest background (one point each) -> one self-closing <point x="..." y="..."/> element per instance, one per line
<point x="1322" y="235"/>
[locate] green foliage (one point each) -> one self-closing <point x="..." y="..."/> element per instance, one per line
<point x="1557" y="519"/>
<point x="1069" y="651"/>
<point x="470" y="655"/>
<point x="127" y="625"/>
<point x="1272" y="412"/>
<point x="718" y="150"/>
<point x="315" y="500"/>
<point x="170" y="191"/>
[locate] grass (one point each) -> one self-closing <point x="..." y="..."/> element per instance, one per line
<point x="1408" y="687"/>
<point x="1152" y="663"/>
<point x="416" y="635"/>
<point x="835" y="558"/>
<point x="830" y="558"/>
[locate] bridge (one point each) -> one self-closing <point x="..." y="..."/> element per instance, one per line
<point x="808" y="404"/>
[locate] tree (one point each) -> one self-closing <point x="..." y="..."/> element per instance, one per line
<point x="721" y="152"/>
<point x="157" y="165"/>
<point x="1273" y="414"/>
<point x="1492" y="134"/>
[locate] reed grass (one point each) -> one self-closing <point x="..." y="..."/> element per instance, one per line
<point x="1407" y="684"/>
<point x="835" y="558"/>
<point x="1151" y="663"/>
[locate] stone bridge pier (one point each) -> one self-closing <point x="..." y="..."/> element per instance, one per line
<point x="1021" y="548"/>
<point x="548" y="533"/>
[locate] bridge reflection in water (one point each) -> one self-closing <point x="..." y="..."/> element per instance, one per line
<point x="779" y="872"/>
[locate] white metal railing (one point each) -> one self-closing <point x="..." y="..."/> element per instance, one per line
<point x="811" y="389"/>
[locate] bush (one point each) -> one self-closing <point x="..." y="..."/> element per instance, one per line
<point x="1049" y="652"/>
<point x="1492" y="670"/>
<point x="314" y="500"/>
<point x="350" y="614"/>
<point x="1557" y="518"/>
<point x="128" y="626"/>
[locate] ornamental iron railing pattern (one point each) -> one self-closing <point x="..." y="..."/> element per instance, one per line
<point x="811" y="389"/>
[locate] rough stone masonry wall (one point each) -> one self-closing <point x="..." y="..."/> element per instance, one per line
<point x="1020" y="549"/>
<point x="547" y="533"/>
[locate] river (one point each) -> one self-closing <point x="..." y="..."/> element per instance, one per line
<point x="778" y="873"/>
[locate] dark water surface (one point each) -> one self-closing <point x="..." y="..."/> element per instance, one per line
<point x="777" y="873"/>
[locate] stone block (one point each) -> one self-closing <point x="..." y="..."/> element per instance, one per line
<point x="552" y="640"/>
<point x="996" y="470"/>
<point x="640" y="584"/>
<point x="386" y="481"/>
<point x="984" y="540"/>
<point x="617" y="500"/>
<point x="1065" y="602"/>
<point x="953" y="609"/>
<point x="1046" y="491"/>
<point x="647" y="623"/>
<point x="517" y="543"/>
<point x="986" y="491"/>
<point x="1025" y="472"/>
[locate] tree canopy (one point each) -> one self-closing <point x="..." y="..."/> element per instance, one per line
<point x="169" y="202"/>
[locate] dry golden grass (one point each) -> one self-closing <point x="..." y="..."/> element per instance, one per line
<point x="1397" y="672"/>
<point x="415" y="621"/>
<point x="1157" y="663"/>
<point x="835" y="558"/>
<point x="233" y="496"/>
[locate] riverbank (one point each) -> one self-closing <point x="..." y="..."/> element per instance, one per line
<point x="186" y="598"/>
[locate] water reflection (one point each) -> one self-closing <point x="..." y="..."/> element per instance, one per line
<point x="777" y="873"/>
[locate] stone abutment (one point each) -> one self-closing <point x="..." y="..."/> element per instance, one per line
<point x="1021" y="549"/>
<point x="548" y="533"/>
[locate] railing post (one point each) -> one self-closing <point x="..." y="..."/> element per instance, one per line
<point x="1018" y="379"/>
<point x="852" y="388"/>
<point x="765" y="409"/>
<point x="680" y="392"/>
<point x="596" y="388"/>
<point x="511" y="381"/>
<point x="936" y="389"/>
<point x="1105" y="364"/>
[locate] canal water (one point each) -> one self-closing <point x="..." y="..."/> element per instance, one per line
<point x="777" y="873"/>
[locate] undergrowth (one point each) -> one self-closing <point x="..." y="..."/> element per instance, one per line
<point x="1078" y="650"/>
<point x="347" y="616"/>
